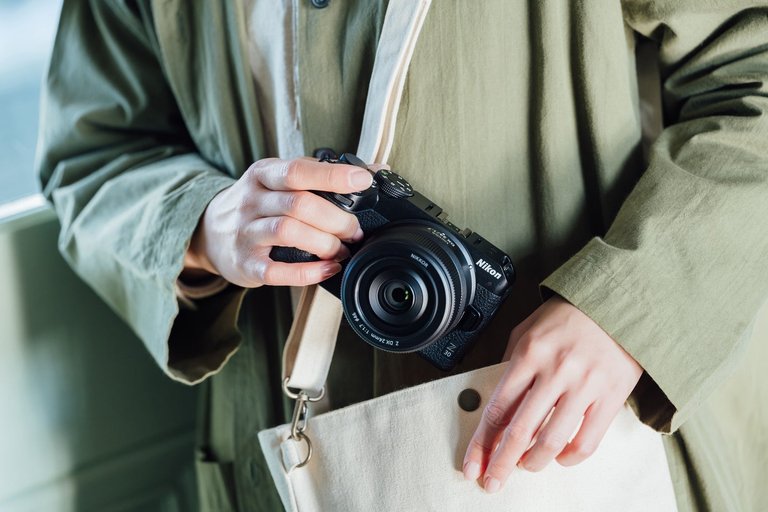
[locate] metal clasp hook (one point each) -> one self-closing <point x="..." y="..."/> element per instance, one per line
<point x="300" y="420"/>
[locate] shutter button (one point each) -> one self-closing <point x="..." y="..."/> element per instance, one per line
<point x="469" y="400"/>
<point x="320" y="4"/>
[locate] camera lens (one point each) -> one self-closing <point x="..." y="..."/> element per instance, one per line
<point x="406" y="286"/>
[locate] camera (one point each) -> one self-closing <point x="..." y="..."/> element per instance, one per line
<point x="416" y="282"/>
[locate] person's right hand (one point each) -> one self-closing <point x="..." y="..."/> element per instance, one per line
<point x="270" y="205"/>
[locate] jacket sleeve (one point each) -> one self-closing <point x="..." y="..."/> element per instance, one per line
<point x="118" y="164"/>
<point x="682" y="271"/>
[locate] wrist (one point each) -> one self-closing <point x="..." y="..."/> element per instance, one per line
<point x="197" y="266"/>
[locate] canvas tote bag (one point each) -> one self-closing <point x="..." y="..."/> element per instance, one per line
<point x="404" y="451"/>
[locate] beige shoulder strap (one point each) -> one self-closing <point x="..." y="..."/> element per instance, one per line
<point x="312" y="339"/>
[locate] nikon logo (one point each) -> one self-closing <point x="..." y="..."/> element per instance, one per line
<point x="487" y="267"/>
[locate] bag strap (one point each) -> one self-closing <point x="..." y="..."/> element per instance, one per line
<point x="402" y="26"/>
<point x="309" y="349"/>
<point x="311" y="341"/>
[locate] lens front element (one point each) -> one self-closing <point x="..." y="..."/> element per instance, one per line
<point x="398" y="296"/>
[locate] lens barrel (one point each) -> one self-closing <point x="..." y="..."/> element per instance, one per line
<point x="407" y="286"/>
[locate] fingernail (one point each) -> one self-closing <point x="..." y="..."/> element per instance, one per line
<point x="358" y="235"/>
<point x="491" y="485"/>
<point x="342" y="254"/>
<point x="471" y="471"/>
<point x="361" y="179"/>
<point x="330" y="269"/>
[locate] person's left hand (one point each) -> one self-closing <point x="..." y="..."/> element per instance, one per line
<point x="558" y="357"/>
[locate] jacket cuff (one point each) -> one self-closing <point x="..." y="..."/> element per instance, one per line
<point x="204" y="337"/>
<point x="660" y="399"/>
<point x="188" y="344"/>
<point x="188" y="292"/>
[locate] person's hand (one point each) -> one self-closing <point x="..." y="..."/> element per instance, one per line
<point x="270" y="205"/>
<point x="558" y="357"/>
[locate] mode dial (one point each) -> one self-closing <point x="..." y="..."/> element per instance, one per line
<point x="393" y="184"/>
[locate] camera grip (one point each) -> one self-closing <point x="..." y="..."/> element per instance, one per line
<point x="291" y="255"/>
<point x="450" y="350"/>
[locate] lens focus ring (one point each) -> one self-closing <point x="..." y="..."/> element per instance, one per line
<point x="438" y="251"/>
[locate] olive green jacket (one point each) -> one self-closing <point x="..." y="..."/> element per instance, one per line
<point x="521" y="119"/>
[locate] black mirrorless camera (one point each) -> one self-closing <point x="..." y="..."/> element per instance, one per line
<point x="415" y="282"/>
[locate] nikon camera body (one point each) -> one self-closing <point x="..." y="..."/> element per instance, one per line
<point x="416" y="282"/>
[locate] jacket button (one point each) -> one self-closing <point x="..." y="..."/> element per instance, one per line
<point x="320" y="4"/>
<point x="325" y="153"/>
<point x="469" y="400"/>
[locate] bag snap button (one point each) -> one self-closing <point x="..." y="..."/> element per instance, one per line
<point x="469" y="400"/>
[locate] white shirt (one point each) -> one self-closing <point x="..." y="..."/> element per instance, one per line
<point x="275" y="73"/>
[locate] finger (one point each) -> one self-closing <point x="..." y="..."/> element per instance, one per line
<point x="301" y="174"/>
<point x="554" y="435"/>
<point x="278" y="273"/>
<point x="517" y="435"/>
<point x="597" y="419"/>
<point x="502" y="404"/>
<point x="288" y="232"/>
<point x="310" y="209"/>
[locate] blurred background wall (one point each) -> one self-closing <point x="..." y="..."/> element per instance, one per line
<point x="87" y="421"/>
<point x="27" y="28"/>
